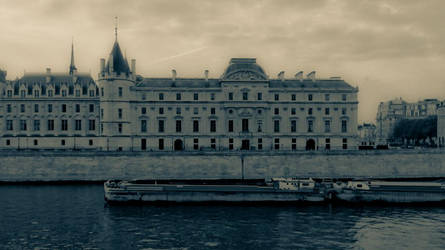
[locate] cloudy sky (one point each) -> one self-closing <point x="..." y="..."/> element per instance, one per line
<point x="388" y="49"/>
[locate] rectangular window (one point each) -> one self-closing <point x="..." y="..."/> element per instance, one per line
<point x="231" y="96"/>
<point x="101" y="113"/>
<point x="327" y="126"/>
<point x="260" y="126"/>
<point x="36" y="142"/>
<point x="277" y="97"/>
<point x="91" y="93"/>
<point x="309" y="97"/>
<point x="64" y="92"/>
<point x="64" y="125"/>
<point x="119" y="128"/>
<point x="9" y="125"/>
<point x="62" y="142"/>
<point x="245" y="125"/>
<point x="23" y="125"/>
<point x="343" y="111"/>
<point x="195" y="96"/>
<point x="178" y="126"/>
<point x="119" y="113"/>
<point x="230" y="143"/>
<point x="78" y="125"/>
<point x="22" y="108"/>
<point x="120" y="91"/>
<point x="36" y="93"/>
<point x="260" y="143"/>
<point x="212" y="96"/>
<point x="50" y="108"/>
<point x="230" y="126"/>
<point x="309" y="111"/>
<point x="212" y="126"/>
<point x="277" y="143"/>
<point x="63" y="108"/>
<point x="245" y="96"/>
<point x="195" y="143"/>
<point x="77" y="92"/>
<point x="294" y="143"/>
<point x="293" y="97"/>
<point x="8" y="108"/>
<point x="178" y="111"/>
<point x="36" y="124"/>
<point x="161" y="144"/>
<point x="178" y="96"/>
<point x="213" y="111"/>
<point x="36" y="108"/>
<point x="326" y="111"/>
<point x="213" y="143"/>
<point x="195" y="111"/>
<point x="326" y="97"/>
<point x="310" y="126"/>
<point x="328" y="144"/>
<point x="293" y="126"/>
<point x="8" y="142"/>
<point x="276" y="126"/>
<point x="343" y="97"/>
<point x="102" y="91"/>
<point x="276" y="111"/>
<point x="161" y="111"/>
<point x="9" y="93"/>
<point x="90" y="142"/>
<point x="293" y="111"/>
<point x="50" y="125"/>
<point x="161" y="96"/>
<point x="143" y="126"/>
<point x="77" y="108"/>
<point x="344" y="126"/>
<point x="143" y="110"/>
<point x="345" y="143"/>
<point x="91" y="125"/>
<point x="161" y="126"/>
<point x="260" y="96"/>
<point x="91" y="109"/>
<point x="195" y="126"/>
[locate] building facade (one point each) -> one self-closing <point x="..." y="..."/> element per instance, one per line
<point x="367" y="135"/>
<point x="441" y="124"/>
<point x="244" y="109"/>
<point x="391" y="112"/>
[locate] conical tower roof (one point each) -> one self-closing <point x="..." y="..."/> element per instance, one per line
<point x="116" y="61"/>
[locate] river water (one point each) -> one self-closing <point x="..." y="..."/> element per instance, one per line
<point x="75" y="217"/>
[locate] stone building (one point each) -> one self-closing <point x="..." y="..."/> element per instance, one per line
<point x="367" y="135"/>
<point x="244" y="109"/>
<point x="441" y="124"/>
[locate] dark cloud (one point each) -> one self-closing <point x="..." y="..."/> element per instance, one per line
<point x="387" y="48"/>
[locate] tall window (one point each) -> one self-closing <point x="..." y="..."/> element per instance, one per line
<point x="212" y="96"/>
<point x="310" y="126"/>
<point x="161" y="111"/>
<point x="23" y="125"/>
<point x="36" y="126"/>
<point x="50" y="108"/>
<point x="64" y="125"/>
<point x="212" y="111"/>
<point x="178" y="126"/>
<point x="195" y="143"/>
<point x="22" y="108"/>
<point x="309" y="111"/>
<point x="161" y="126"/>
<point x="345" y="143"/>
<point x="77" y="108"/>
<point x="277" y="97"/>
<point x="36" y="108"/>
<point x="178" y="96"/>
<point x="50" y="93"/>
<point x="260" y="96"/>
<point x="293" y="111"/>
<point x="9" y="125"/>
<point x="293" y="126"/>
<point x="78" y="125"/>
<point x="195" y="111"/>
<point x="161" y="96"/>
<point x="309" y="97"/>
<point x="326" y="111"/>
<point x="212" y="126"/>
<point x="91" y="108"/>
<point x="343" y="97"/>
<point x="178" y="111"/>
<point x="119" y="128"/>
<point x="344" y="126"/>
<point x="63" y="108"/>
<point x="195" y="96"/>
<point x="245" y="125"/>
<point x="102" y="91"/>
<point x="91" y="93"/>
<point x="63" y="92"/>
<point x="294" y="143"/>
<point x="277" y="143"/>
<point x="92" y="124"/>
<point x="293" y="97"/>
<point x="119" y="113"/>
<point x="230" y="126"/>
<point x="328" y="144"/>
<point x="9" y="93"/>
<point x="50" y="125"/>
<point x="161" y="144"/>
<point x="143" y="126"/>
<point x="231" y="96"/>
<point x="276" y="111"/>
<point x="77" y="92"/>
<point x="120" y="91"/>
<point x="327" y="126"/>
<point x="260" y="143"/>
<point x="22" y="93"/>
<point x="245" y="96"/>
<point x="195" y="126"/>
<point x="230" y="143"/>
<point x="276" y="126"/>
<point x="143" y="110"/>
<point x="260" y="126"/>
<point x="8" y="108"/>
<point x="326" y="97"/>
<point x="343" y="111"/>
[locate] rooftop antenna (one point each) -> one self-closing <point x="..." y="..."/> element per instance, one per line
<point x="115" y="27"/>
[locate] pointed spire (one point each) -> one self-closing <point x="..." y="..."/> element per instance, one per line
<point x="73" y="68"/>
<point x="115" y="27"/>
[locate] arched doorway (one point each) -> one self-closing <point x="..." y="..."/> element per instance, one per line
<point x="179" y="145"/>
<point x="310" y="144"/>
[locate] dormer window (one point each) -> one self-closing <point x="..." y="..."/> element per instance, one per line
<point x="36" y="93"/>
<point x="245" y="96"/>
<point x="22" y="93"/>
<point x="63" y="92"/>
<point x="9" y="93"/>
<point x="50" y="93"/>
<point x="77" y="92"/>
<point x="91" y="93"/>
<point x="120" y="91"/>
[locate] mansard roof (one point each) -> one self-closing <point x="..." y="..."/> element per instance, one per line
<point x="56" y="79"/>
<point x="180" y="83"/>
<point x="116" y="61"/>
<point x="243" y="69"/>
<point x="309" y="83"/>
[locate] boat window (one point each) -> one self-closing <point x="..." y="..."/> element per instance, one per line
<point x="305" y="184"/>
<point x="359" y="185"/>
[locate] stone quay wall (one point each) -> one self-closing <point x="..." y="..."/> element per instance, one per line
<point x="20" y="166"/>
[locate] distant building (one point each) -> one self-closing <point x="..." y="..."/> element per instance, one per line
<point x="367" y="135"/>
<point x="243" y="109"/>
<point x="441" y="124"/>
<point x="391" y="112"/>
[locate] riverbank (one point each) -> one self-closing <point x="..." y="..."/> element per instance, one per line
<point x="93" y="166"/>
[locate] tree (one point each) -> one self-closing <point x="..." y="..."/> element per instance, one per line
<point x="417" y="130"/>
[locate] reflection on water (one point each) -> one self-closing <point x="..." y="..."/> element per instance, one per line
<point x="74" y="216"/>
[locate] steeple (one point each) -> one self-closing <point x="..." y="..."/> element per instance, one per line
<point x="73" y="68"/>
<point x="117" y="63"/>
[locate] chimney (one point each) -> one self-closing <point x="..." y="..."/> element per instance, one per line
<point x="133" y="66"/>
<point x="102" y="65"/>
<point x="48" y="75"/>
<point x="173" y="75"/>
<point x="299" y="76"/>
<point x="206" y="75"/>
<point x="281" y="76"/>
<point x="311" y="76"/>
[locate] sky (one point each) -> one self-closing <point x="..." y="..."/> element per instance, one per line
<point x="389" y="49"/>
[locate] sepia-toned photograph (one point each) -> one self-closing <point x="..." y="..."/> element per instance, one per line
<point x="235" y="124"/>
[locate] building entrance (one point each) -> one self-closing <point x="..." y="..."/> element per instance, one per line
<point x="245" y="145"/>
<point x="179" y="145"/>
<point x="310" y="144"/>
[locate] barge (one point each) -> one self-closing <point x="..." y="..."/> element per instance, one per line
<point x="278" y="190"/>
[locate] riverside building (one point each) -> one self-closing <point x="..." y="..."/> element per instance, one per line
<point x="243" y="109"/>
